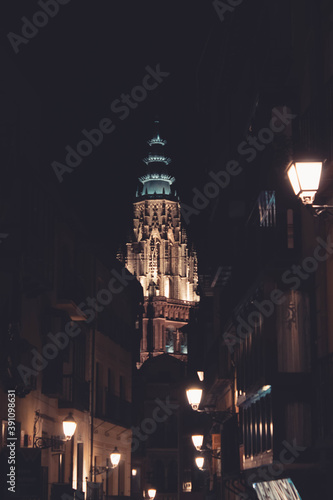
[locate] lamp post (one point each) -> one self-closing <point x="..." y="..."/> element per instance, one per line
<point x="115" y="457"/>
<point x="69" y="428"/>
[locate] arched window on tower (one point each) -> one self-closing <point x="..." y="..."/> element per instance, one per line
<point x="158" y="255"/>
<point x="166" y="290"/>
<point x="170" y="288"/>
<point x="167" y="258"/>
<point x="170" y="340"/>
<point x="183" y="343"/>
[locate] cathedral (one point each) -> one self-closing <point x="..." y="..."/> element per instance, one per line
<point x="159" y="256"/>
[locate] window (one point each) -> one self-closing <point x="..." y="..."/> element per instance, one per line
<point x="183" y="343"/>
<point x="267" y="209"/>
<point x="257" y="426"/>
<point x="170" y="340"/>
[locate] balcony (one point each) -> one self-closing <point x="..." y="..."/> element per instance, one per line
<point x="117" y="410"/>
<point x="75" y="393"/>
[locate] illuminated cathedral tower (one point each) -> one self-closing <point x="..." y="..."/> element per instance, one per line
<point x="159" y="256"/>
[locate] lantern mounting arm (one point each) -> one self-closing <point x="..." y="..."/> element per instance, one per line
<point x="44" y="443"/>
<point x="211" y="453"/>
<point x="54" y="442"/>
<point x="100" y="470"/>
<point x="217" y="415"/>
<point x="320" y="209"/>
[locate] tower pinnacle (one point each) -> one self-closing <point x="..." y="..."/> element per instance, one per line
<point x="156" y="181"/>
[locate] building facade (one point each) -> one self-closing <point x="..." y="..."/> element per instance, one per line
<point x="70" y="337"/>
<point x="268" y="355"/>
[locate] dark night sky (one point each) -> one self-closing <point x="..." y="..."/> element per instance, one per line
<point x="83" y="59"/>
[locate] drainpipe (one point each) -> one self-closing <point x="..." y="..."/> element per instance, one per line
<point x="92" y="388"/>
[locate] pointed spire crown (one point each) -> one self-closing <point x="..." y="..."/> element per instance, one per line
<point x="156" y="182"/>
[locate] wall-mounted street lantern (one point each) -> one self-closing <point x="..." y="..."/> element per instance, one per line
<point x="304" y="177"/>
<point x="194" y="397"/>
<point x="69" y="428"/>
<point x="115" y="457"/>
<point x="134" y="472"/>
<point x="151" y="493"/>
<point x="197" y="441"/>
<point x="200" y="462"/>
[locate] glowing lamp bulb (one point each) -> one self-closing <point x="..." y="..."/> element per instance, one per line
<point x="199" y="462"/>
<point x="304" y="178"/>
<point x="197" y="441"/>
<point x="115" y="457"/>
<point x="69" y="426"/>
<point x="151" y="493"/>
<point x="194" y="397"/>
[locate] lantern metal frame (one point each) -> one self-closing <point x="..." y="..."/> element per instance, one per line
<point x="308" y="200"/>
